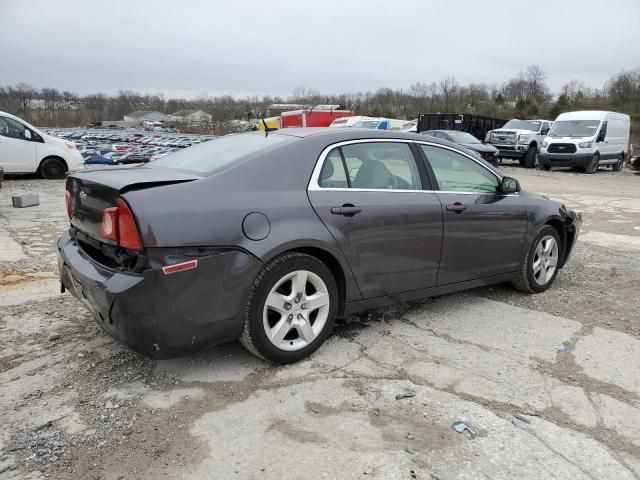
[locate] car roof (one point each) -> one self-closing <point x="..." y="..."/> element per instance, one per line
<point x="349" y="133"/>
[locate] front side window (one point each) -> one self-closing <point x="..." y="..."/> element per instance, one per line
<point x="12" y="128"/>
<point x="456" y="173"/>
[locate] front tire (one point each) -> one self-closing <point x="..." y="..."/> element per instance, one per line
<point x="539" y="266"/>
<point x="531" y="157"/>
<point x="616" y="167"/>
<point x="594" y="164"/>
<point x="52" y="168"/>
<point x="291" y="308"/>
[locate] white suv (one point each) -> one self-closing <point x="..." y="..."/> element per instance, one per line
<point x="25" y="149"/>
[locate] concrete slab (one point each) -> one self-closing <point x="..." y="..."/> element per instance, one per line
<point x="606" y="355"/>
<point x="10" y="250"/>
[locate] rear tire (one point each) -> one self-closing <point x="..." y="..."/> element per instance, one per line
<point x="52" y="168"/>
<point x="531" y="157"/>
<point x="616" y="167"/>
<point x="281" y="323"/>
<point x="593" y="165"/>
<point x="536" y="274"/>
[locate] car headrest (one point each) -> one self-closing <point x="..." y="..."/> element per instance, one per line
<point x="372" y="174"/>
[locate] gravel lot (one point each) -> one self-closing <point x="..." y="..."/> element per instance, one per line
<point x="549" y="384"/>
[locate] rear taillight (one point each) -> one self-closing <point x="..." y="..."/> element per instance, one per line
<point x="119" y="225"/>
<point x="127" y="228"/>
<point x="69" y="199"/>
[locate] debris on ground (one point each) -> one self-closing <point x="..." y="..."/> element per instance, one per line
<point x="23" y="201"/>
<point x="400" y="396"/>
<point x="462" y="426"/>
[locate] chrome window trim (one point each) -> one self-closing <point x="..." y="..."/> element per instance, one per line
<point x="315" y="176"/>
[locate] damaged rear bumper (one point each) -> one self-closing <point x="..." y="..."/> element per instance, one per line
<point x="158" y="314"/>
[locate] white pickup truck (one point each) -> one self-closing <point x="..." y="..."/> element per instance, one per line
<point x="520" y="139"/>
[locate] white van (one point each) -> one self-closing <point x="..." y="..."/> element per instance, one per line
<point x="25" y="149"/>
<point x="344" y="122"/>
<point x="586" y="139"/>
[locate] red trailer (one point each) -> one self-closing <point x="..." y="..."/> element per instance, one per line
<point x="311" y="117"/>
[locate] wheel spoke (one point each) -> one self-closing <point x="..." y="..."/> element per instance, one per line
<point x="305" y="331"/>
<point x="537" y="266"/>
<point x="276" y="302"/>
<point x="280" y="330"/>
<point x="317" y="300"/>
<point x="549" y="245"/>
<point x="552" y="262"/>
<point x="543" y="274"/>
<point x="540" y="250"/>
<point x="299" y="284"/>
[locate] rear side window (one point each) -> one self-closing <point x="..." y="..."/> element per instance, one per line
<point x="381" y="165"/>
<point x="333" y="174"/>
<point x="371" y="166"/>
<point x="221" y="152"/>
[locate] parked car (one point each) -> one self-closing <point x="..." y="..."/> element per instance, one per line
<point x="634" y="159"/>
<point x="345" y="122"/>
<point x="520" y="139"/>
<point x="486" y="152"/>
<point x="201" y="247"/>
<point x="384" y="124"/>
<point x="26" y="149"/>
<point x="587" y="139"/>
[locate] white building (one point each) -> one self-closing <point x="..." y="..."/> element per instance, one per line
<point x="191" y="116"/>
<point x="140" y="116"/>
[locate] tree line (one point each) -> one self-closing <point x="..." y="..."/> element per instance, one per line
<point x="526" y="95"/>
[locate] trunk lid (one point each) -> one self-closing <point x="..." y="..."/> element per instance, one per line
<point x="91" y="192"/>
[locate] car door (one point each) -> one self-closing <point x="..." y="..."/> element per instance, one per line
<point x="483" y="229"/>
<point x="604" y="145"/>
<point x="17" y="153"/>
<point x="370" y="195"/>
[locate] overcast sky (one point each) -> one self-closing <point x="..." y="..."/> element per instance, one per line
<point x="241" y="47"/>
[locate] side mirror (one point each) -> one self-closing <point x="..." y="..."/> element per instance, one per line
<point x="509" y="185"/>
<point x="27" y="134"/>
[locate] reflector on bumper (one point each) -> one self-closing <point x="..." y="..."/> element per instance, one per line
<point x="180" y="267"/>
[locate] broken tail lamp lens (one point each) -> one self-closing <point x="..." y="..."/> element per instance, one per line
<point x="119" y="225"/>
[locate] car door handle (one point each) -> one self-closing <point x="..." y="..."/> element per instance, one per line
<point x="347" y="210"/>
<point x="456" y="207"/>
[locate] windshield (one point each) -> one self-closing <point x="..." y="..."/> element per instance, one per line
<point x="532" y="125"/>
<point x="221" y="152"/>
<point x="574" y="128"/>
<point x="463" y="137"/>
<point x="366" y="124"/>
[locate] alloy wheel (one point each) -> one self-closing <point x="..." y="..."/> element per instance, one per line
<point x="296" y="310"/>
<point x="545" y="260"/>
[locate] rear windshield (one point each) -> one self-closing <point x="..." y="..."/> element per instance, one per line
<point x="220" y="152"/>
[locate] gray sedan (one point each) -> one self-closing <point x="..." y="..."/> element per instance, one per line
<point x="270" y="237"/>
